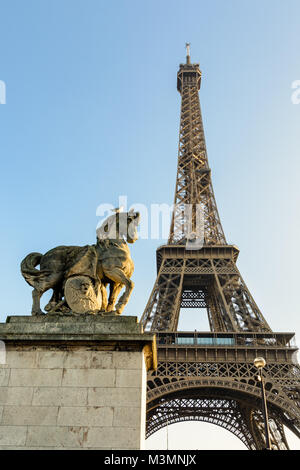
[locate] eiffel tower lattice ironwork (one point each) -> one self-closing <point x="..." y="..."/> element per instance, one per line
<point x="210" y="376"/>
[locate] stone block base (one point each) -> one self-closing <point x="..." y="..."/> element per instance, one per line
<point x="74" y="383"/>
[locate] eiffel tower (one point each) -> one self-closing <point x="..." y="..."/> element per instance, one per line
<point x="210" y="376"/>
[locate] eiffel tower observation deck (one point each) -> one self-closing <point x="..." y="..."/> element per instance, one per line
<point x="211" y="376"/>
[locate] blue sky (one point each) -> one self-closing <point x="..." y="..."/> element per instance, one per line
<point x="92" y="112"/>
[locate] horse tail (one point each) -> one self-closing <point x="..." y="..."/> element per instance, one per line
<point x="28" y="268"/>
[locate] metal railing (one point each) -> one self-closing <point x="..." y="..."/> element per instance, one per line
<point x="243" y="339"/>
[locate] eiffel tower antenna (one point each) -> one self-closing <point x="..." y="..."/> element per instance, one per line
<point x="188" y="56"/>
<point x="210" y="376"/>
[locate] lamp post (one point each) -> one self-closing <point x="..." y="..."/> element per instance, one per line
<point x="260" y="362"/>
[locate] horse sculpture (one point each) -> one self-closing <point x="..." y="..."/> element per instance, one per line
<point x="79" y="275"/>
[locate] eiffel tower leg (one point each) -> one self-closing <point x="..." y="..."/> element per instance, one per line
<point x="163" y="307"/>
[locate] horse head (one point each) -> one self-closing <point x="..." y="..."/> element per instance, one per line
<point x="133" y="220"/>
<point x="120" y="226"/>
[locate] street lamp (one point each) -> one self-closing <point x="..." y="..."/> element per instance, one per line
<point x="260" y="362"/>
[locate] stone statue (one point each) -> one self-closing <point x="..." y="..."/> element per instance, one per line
<point x="79" y="275"/>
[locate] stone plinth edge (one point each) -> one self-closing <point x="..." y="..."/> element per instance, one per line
<point x="109" y="332"/>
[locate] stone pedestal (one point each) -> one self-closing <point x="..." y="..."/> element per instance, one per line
<point x="74" y="382"/>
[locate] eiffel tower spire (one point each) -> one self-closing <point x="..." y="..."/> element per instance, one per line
<point x="193" y="182"/>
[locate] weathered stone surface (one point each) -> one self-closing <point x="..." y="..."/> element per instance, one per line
<point x="102" y="360"/>
<point x="50" y="359"/>
<point x="16" y="395"/>
<point x="21" y="359"/>
<point x="114" y="438"/>
<point x="35" y="377"/>
<point x="64" y="389"/>
<point x="90" y="416"/>
<point x="50" y="329"/>
<point x="29" y="415"/>
<point x="4" y="376"/>
<point x="126" y="416"/>
<point x="60" y="396"/>
<point x="90" y="328"/>
<point x="12" y="435"/>
<point x="89" y="378"/>
<point x="128" y="378"/>
<point x="56" y="436"/>
<point x="114" y="396"/>
<point x="127" y="360"/>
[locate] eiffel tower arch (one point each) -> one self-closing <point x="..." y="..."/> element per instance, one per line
<point x="210" y="376"/>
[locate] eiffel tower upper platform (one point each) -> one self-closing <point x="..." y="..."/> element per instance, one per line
<point x="210" y="376"/>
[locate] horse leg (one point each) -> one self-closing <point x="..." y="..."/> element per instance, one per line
<point x="118" y="276"/>
<point x="113" y="295"/>
<point x="55" y="299"/>
<point x="36" y="297"/>
<point x="109" y="306"/>
<point x="104" y="296"/>
<point x="51" y="281"/>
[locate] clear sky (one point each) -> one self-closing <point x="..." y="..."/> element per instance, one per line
<point x="92" y="112"/>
